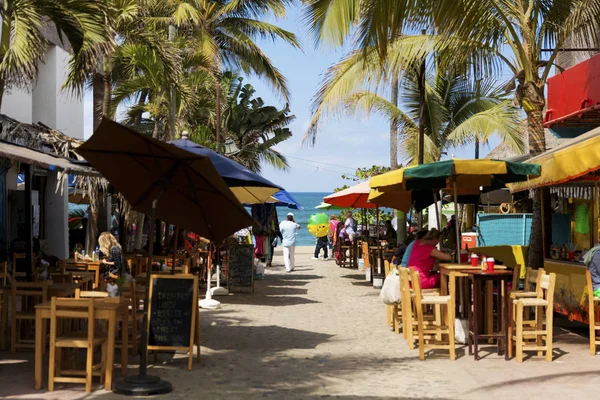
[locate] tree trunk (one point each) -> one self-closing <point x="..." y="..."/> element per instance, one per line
<point x="92" y="225"/>
<point x="107" y="101"/>
<point x="421" y="85"/>
<point x="400" y="216"/>
<point x="139" y="233"/>
<point x="172" y="97"/>
<point x="218" y="116"/>
<point x="421" y="144"/>
<point x="141" y="101"/>
<point x="156" y="131"/>
<point x="98" y="98"/>
<point x="533" y="101"/>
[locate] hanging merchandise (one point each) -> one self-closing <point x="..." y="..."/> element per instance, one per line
<point x="318" y="225"/>
<point x="582" y="219"/>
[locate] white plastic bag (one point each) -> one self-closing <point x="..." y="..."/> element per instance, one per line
<point x="461" y="326"/>
<point x="390" y="291"/>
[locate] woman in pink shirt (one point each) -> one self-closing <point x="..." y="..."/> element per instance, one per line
<point x="423" y="257"/>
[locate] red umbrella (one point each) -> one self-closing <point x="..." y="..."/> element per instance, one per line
<point x="356" y="196"/>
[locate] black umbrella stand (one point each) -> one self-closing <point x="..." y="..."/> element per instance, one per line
<point x="142" y="384"/>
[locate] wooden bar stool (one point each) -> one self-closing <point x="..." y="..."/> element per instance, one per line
<point x="536" y="338"/>
<point x="592" y="301"/>
<point x="435" y="330"/>
<point x="64" y="308"/>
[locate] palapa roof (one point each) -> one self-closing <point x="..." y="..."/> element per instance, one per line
<point x="505" y="152"/>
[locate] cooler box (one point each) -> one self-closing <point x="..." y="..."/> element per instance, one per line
<point x="468" y="240"/>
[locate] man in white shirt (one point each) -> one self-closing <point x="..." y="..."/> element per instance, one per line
<point x="289" y="230"/>
<point x="350" y="225"/>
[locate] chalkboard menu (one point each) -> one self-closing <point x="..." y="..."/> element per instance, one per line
<point x="240" y="274"/>
<point x="173" y="312"/>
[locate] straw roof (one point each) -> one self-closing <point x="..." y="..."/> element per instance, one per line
<point x="504" y="152"/>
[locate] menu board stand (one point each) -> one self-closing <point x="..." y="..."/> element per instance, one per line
<point x="240" y="271"/>
<point x="173" y="314"/>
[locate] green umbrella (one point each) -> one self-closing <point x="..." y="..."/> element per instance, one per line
<point x="325" y="206"/>
<point x="458" y="177"/>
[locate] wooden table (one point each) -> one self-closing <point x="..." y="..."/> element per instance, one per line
<point x="106" y="309"/>
<point x="93" y="266"/>
<point x="86" y="279"/>
<point x="57" y="289"/>
<point x="501" y="334"/>
<point x="448" y="274"/>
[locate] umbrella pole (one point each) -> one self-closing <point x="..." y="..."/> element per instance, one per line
<point x="175" y="250"/>
<point x="437" y="211"/>
<point x="456" y="228"/>
<point x="142" y="384"/>
<point x="377" y="226"/>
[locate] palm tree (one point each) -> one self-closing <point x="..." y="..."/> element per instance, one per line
<point x="533" y="33"/>
<point x="221" y="35"/>
<point x="256" y="129"/>
<point x="22" y="42"/>
<point x="455" y="114"/>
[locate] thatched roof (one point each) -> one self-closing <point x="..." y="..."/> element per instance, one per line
<point x="504" y="152"/>
<point x="38" y="137"/>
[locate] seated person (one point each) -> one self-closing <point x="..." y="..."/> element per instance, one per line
<point x="406" y="255"/>
<point x="399" y="251"/>
<point x="423" y="257"/>
<point x="390" y="233"/>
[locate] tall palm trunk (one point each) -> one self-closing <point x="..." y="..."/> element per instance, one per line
<point x="156" y="130"/>
<point x="533" y="102"/>
<point x="218" y="116"/>
<point x="107" y="101"/>
<point x="98" y="98"/>
<point x="400" y="217"/>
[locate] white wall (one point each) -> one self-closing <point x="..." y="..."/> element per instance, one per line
<point x="57" y="214"/>
<point x="17" y="104"/>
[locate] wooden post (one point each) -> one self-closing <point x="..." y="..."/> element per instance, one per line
<point x="29" y="259"/>
<point x="544" y="254"/>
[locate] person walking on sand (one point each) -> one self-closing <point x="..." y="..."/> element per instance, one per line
<point x="321" y="244"/>
<point x="289" y="230"/>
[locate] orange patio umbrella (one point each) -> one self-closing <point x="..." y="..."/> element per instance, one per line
<point x="356" y="196"/>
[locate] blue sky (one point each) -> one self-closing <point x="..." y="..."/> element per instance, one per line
<point x="342" y="146"/>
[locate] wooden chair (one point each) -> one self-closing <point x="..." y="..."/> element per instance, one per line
<point x="136" y="316"/>
<point x="30" y="294"/>
<point x="536" y="337"/>
<point x="392" y="310"/>
<point x="62" y="278"/>
<point x="182" y="264"/>
<point x="408" y="308"/>
<point x="75" y="266"/>
<point x="348" y="261"/>
<point x="365" y="254"/>
<point x="592" y="301"/>
<point x="437" y="330"/>
<point x="18" y="275"/>
<point x="62" y="308"/>
<point x="531" y="284"/>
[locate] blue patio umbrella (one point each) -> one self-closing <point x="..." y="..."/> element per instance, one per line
<point x="247" y="186"/>
<point x="284" y="199"/>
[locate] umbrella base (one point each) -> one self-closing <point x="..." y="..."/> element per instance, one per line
<point x="209" y="303"/>
<point x="146" y="385"/>
<point x="219" y="291"/>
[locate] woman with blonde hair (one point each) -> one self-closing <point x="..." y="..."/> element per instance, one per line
<point x="423" y="257"/>
<point x="113" y="261"/>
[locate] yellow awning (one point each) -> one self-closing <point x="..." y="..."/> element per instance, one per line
<point x="569" y="161"/>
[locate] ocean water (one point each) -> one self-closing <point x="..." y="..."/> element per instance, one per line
<point x="309" y="201"/>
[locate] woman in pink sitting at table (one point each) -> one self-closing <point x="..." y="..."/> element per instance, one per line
<point x="423" y="256"/>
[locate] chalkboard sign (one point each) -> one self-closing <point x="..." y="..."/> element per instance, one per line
<point x="173" y="314"/>
<point x="240" y="274"/>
